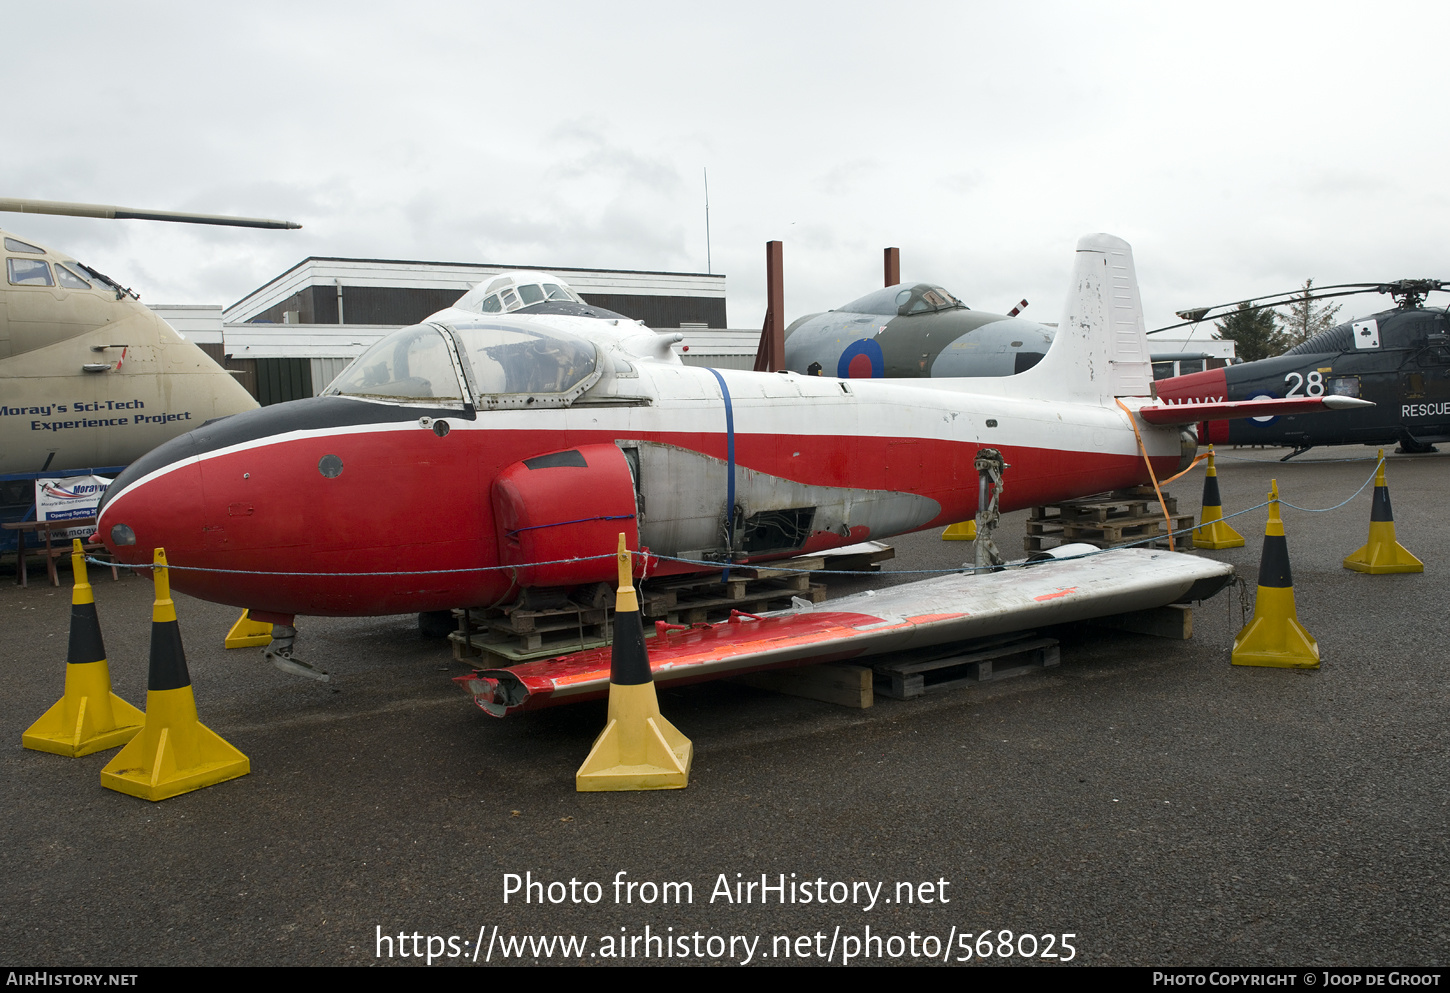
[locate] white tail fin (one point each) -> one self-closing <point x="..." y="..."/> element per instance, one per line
<point x="1099" y="351"/>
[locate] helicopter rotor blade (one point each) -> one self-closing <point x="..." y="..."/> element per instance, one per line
<point x="1197" y="315"/>
<point x="127" y="213"/>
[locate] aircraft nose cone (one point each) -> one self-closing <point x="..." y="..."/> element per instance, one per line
<point x="160" y="509"/>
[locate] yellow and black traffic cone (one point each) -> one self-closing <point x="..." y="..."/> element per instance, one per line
<point x="638" y="749"/>
<point x="961" y="531"/>
<point x="89" y="718"/>
<point x="1274" y="636"/>
<point x="247" y="633"/>
<point x="174" y="753"/>
<point x="1383" y="553"/>
<point x="1213" y="531"/>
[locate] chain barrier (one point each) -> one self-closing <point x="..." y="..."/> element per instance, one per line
<point x="1242" y="458"/>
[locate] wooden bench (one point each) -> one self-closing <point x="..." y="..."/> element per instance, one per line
<point x="54" y="547"/>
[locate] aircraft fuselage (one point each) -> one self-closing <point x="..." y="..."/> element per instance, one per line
<point x="346" y="506"/>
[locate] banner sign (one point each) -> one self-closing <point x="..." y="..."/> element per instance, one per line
<point x="71" y="498"/>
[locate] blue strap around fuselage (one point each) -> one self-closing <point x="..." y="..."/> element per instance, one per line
<point x="729" y="469"/>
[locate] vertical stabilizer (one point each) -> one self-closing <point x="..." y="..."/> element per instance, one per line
<point x="1099" y="351"/>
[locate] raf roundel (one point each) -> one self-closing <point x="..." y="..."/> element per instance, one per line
<point x="862" y="359"/>
<point x="1265" y="420"/>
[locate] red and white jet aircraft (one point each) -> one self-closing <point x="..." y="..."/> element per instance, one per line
<point x="505" y="442"/>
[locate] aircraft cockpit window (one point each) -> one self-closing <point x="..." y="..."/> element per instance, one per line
<point x="412" y="364"/>
<point x="527" y="362"/>
<point x="68" y="279"/>
<point x="516" y="291"/>
<point x="903" y="299"/>
<point x="29" y="272"/>
<point x="96" y="277"/>
<point x="1344" y="386"/>
<point x="929" y="299"/>
<point x="16" y="245"/>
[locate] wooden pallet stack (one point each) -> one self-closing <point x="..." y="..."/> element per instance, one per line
<point x="504" y="636"/>
<point x="1123" y="517"/>
<point x="907" y="675"/>
<point x="751" y="589"/>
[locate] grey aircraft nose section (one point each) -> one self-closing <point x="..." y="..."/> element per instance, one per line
<point x="912" y="330"/>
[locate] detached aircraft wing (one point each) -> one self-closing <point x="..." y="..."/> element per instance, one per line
<point x="912" y="615"/>
<point x="1227" y="410"/>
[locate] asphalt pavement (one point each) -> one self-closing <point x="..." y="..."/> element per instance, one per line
<point x="1143" y="803"/>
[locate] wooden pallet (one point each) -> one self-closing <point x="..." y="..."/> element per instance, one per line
<point x="865" y="557"/>
<point x="1105" y="507"/>
<point x="485" y="652"/>
<point x="1108" y="520"/>
<point x="519" y="633"/>
<point x="1114" y="535"/>
<point x="715" y="602"/>
<point x="907" y="675"/>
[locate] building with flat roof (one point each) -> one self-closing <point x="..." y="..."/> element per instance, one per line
<point x="399" y="293"/>
<point x="290" y="337"/>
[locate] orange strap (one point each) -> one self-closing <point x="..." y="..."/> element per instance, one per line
<point x="1151" y="475"/>
<point x="1196" y="459"/>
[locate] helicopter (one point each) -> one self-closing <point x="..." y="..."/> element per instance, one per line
<point x="910" y="330"/>
<point x="1398" y="358"/>
<point x="486" y="452"/>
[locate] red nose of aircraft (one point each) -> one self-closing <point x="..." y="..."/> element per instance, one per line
<point x="161" y="509"/>
<point x="321" y="506"/>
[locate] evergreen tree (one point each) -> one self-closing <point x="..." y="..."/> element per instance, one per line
<point x="1304" y="319"/>
<point x="1255" y="333"/>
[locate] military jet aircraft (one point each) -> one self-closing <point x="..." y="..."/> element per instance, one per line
<point x="912" y="330"/>
<point x="481" y="453"/>
<point x="1399" y="358"/>
<point x="90" y="378"/>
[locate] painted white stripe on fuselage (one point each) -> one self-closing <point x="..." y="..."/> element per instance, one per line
<point x="769" y="405"/>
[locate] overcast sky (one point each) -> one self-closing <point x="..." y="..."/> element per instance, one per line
<point x="1240" y="150"/>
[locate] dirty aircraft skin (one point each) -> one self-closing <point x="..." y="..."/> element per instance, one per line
<point x="90" y="378"/>
<point x="480" y="453"/>
<point x="1399" y="359"/>
<point x="912" y="330"/>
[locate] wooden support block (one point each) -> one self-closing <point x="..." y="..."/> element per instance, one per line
<point x="830" y="682"/>
<point x="1174" y="621"/>
<point x="908" y="675"/>
<point x="800" y="565"/>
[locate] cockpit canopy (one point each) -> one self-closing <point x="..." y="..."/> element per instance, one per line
<point x="903" y="300"/>
<point x="523" y="360"/>
<point x="509" y="363"/>
<point x="510" y="291"/>
<point x="409" y="364"/>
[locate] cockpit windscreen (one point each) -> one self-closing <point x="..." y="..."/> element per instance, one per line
<point x="411" y="364"/>
<point x="516" y="360"/>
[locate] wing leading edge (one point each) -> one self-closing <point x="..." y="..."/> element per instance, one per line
<point x="1227" y="410"/>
